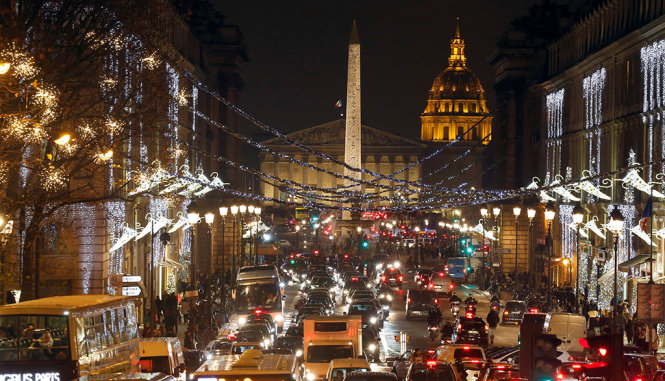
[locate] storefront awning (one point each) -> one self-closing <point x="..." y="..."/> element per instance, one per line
<point x="632" y="262"/>
<point x="606" y="276"/>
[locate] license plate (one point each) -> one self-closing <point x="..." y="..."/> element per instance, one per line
<point x="473" y="332"/>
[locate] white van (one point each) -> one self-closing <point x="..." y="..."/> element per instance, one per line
<point x="161" y="354"/>
<point x="569" y="328"/>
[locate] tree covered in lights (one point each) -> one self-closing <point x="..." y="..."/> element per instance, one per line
<point x="83" y="96"/>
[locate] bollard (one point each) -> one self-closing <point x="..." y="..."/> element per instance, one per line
<point x="402" y="342"/>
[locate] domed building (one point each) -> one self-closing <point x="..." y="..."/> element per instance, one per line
<point x="456" y="106"/>
<point x="456" y="109"/>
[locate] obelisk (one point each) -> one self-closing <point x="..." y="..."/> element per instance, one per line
<point x="352" y="141"/>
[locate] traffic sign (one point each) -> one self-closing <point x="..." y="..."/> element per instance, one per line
<point x="131" y="291"/>
<point x="131" y="278"/>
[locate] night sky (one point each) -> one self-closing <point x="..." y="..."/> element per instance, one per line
<point x="299" y="55"/>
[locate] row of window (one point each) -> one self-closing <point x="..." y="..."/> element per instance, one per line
<point x="447" y="107"/>
<point x="105" y="329"/>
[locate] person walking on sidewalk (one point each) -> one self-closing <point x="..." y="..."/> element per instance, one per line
<point x="492" y="321"/>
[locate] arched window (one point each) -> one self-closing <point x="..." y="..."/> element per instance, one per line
<point x="473" y="107"/>
<point x="459" y="107"/>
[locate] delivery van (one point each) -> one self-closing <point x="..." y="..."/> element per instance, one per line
<point x="161" y="354"/>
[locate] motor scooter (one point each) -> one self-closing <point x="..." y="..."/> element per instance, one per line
<point x="454" y="308"/>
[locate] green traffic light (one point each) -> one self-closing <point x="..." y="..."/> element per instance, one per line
<point x="469" y="250"/>
<point x="365" y="264"/>
<point x="365" y="243"/>
<point x="293" y="262"/>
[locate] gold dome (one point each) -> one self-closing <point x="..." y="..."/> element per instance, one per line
<point x="457" y="82"/>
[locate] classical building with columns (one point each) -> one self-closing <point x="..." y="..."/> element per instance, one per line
<point x="382" y="152"/>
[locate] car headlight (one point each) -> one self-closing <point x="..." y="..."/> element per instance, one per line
<point x="298" y="353"/>
<point x="382" y="296"/>
<point x="310" y="376"/>
<point x="281" y="284"/>
<point x="372" y="320"/>
<point x="389" y="297"/>
<point x="279" y="317"/>
<point x="378" y="266"/>
<point x="242" y="320"/>
<point x="266" y="342"/>
<point x="372" y="347"/>
<point x="208" y="356"/>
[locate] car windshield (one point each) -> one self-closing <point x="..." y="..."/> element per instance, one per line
<point x="515" y="306"/>
<point x="472" y="324"/>
<point x="221" y="345"/>
<point x="239" y="349"/>
<point x="294" y="331"/>
<point x="338" y="373"/>
<point x="435" y="374"/>
<point x="471" y="353"/>
<point x="632" y="365"/>
<point x="326" y="353"/>
<point x="251" y="296"/>
<point x="362" y="309"/>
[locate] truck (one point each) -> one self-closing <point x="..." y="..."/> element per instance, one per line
<point x="259" y="288"/>
<point x="330" y="337"/>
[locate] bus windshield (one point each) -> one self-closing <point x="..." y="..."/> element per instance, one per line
<point x="251" y="296"/>
<point x="34" y="338"/>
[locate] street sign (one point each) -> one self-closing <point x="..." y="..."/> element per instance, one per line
<point x="131" y="291"/>
<point x="131" y="278"/>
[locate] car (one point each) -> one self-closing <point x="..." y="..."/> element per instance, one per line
<point x="262" y="318"/>
<point x="419" y="303"/>
<point x="442" y="283"/>
<point x="639" y="366"/>
<point x="451" y="353"/>
<point x="495" y="371"/>
<point x="513" y="312"/>
<point x="431" y="371"/>
<point x="338" y="368"/>
<point x="401" y="364"/>
<point x="371" y="342"/>
<point x="470" y="330"/>
<point x="570" y="371"/>
<point x="354" y="282"/>
<point x="218" y="347"/>
<point x="309" y="310"/>
<point x="392" y="277"/>
<point x="255" y="333"/>
<point x="294" y="343"/>
<point x="370" y="376"/>
<point x="368" y="311"/>
<point x="359" y="294"/>
<point x="323" y="300"/>
<point x="420" y="272"/>
<point x="295" y="330"/>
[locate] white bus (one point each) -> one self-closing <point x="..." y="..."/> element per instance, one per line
<point x="68" y="337"/>
<point x="259" y="288"/>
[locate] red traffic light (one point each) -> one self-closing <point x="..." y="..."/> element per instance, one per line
<point x="602" y="351"/>
<point x="316" y="252"/>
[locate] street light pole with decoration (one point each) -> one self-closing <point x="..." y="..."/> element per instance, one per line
<point x="578" y="218"/>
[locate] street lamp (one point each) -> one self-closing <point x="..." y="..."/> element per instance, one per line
<point x="223" y="212"/>
<point x="234" y="213"/>
<point x="516" y="212"/>
<point x="193" y="219"/>
<point x="210" y="219"/>
<point x="616" y="225"/>
<point x="257" y="213"/>
<point x="531" y="213"/>
<point x="578" y="217"/>
<point x="496" y="211"/>
<point x="549" y="217"/>
<point x="417" y="230"/>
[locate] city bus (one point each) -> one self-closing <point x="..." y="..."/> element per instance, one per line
<point x="258" y="288"/>
<point x="68" y="337"/>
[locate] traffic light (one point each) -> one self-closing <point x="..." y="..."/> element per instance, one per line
<point x="544" y="357"/>
<point x="486" y="249"/>
<point x="469" y="250"/>
<point x="365" y="244"/>
<point x="463" y="241"/>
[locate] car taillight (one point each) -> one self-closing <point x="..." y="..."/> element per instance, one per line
<point x="431" y="285"/>
<point x="469" y="315"/>
<point x="466" y="347"/>
<point x="559" y="376"/>
<point x="232" y="337"/>
<point x="436" y="301"/>
<point x="533" y="310"/>
<point x="506" y="313"/>
<point x="431" y="363"/>
<point x="459" y="327"/>
<point x="408" y="300"/>
<point x="487" y="328"/>
<point x="501" y="367"/>
<point x="576" y="366"/>
<point x="400" y="278"/>
<point x="441" y="275"/>
<point x="451" y="286"/>
<point x="383" y="278"/>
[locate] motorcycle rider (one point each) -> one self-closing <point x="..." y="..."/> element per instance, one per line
<point x="454" y="298"/>
<point x="432" y="318"/>
<point x="495" y="299"/>
<point x="470" y="300"/>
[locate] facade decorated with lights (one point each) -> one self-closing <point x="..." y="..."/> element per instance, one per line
<point x="104" y="189"/>
<point x="598" y="137"/>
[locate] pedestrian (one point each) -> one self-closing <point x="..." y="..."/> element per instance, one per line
<point x="184" y="310"/>
<point x="492" y="322"/>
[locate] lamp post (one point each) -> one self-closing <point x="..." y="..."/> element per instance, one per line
<point x="242" y="210"/>
<point x="210" y="219"/>
<point x="578" y="217"/>
<point x="483" y="212"/>
<point x="360" y="241"/>
<point x="496" y="211"/>
<point x="257" y="212"/>
<point x="417" y="230"/>
<point x="252" y="241"/>
<point x="193" y="219"/>
<point x="234" y="213"/>
<point x="549" y="217"/>
<point x="616" y="224"/>
<point x="223" y="212"/>
<point x="516" y="212"/>
<point x="531" y="213"/>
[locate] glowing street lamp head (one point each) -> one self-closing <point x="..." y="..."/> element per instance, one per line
<point x="250" y="209"/>
<point x="4" y="67"/>
<point x="616" y="221"/>
<point x="210" y="218"/>
<point x="549" y="212"/>
<point x="243" y="209"/>
<point x="578" y="215"/>
<point x="517" y="211"/>
<point x="531" y="213"/>
<point x="234" y="209"/>
<point x="484" y="211"/>
<point x="257" y="211"/>
<point x="193" y="218"/>
<point x="63" y="139"/>
<point x="223" y="211"/>
<point x="496" y="211"/>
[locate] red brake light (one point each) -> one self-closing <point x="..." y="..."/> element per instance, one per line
<point x="466" y="347"/>
<point x="383" y="278"/>
<point x="431" y="285"/>
<point x="436" y="301"/>
<point x="354" y="279"/>
<point x="451" y="286"/>
<point x="258" y="311"/>
<point x="576" y="366"/>
<point x="459" y="327"/>
<point x="501" y="367"/>
<point x="408" y="300"/>
<point x="231" y="336"/>
<point x="533" y="310"/>
<point x="475" y="361"/>
<point x="559" y="376"/>
<point x="469" y="315"/>
<point x="441" y="274"/>
<point x="506" y="313"/>
<point x="584" y="343"/>
<point x="602" y="351"/>
<point x="593" y="365"/>
<point x="401" y="278"/>
<point x="487" y="328"/>
<point x="638" y="379"/>
<point x="431" y="363"/>
<point x="346" y="256"/>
